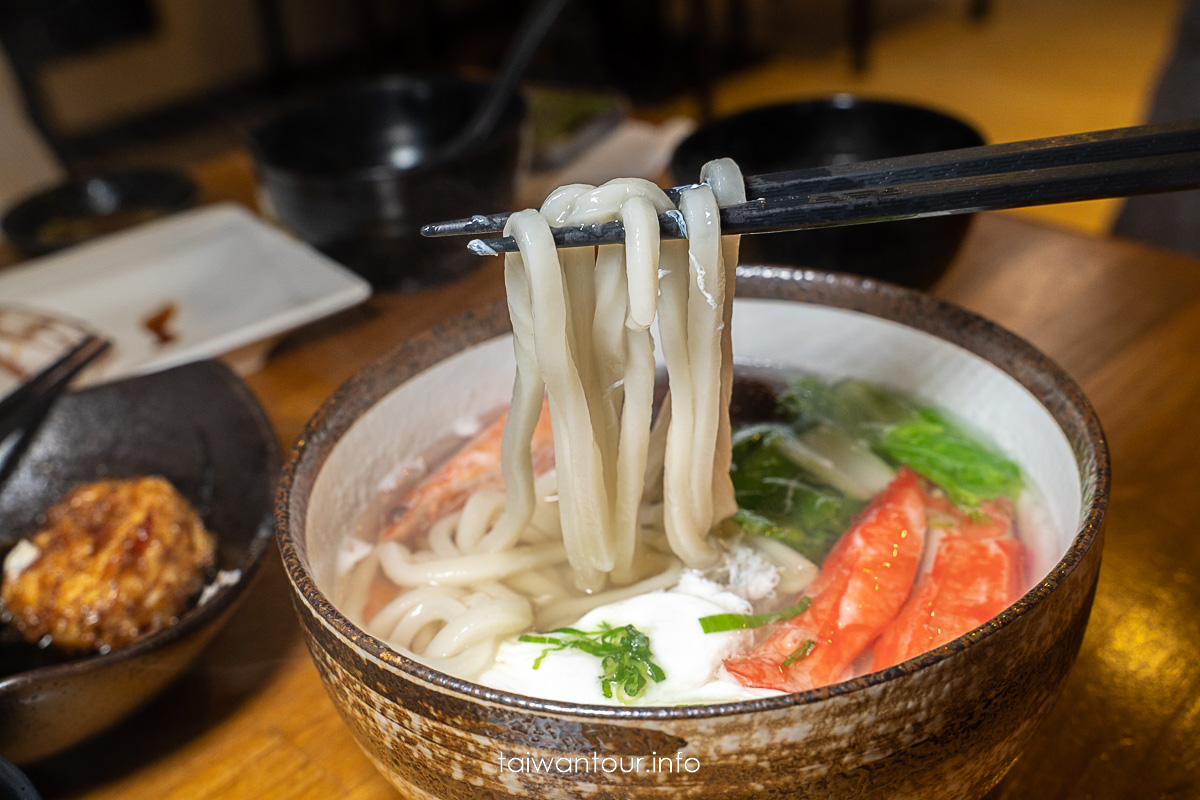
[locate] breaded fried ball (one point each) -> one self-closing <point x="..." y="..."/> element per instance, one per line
<point x="116" y="560"/>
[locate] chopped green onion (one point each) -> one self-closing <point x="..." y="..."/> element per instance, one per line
<point x="624" y="654"/>
<point x="719" y="623"/>
<point x="800" y="653"/>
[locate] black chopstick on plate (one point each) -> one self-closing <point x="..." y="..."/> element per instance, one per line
<point x="812" y="198"/>
<point x="24" y="409"/>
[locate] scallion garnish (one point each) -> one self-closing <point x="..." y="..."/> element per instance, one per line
<point x="719" y="623"/>
<point x="800" y="653"/>
<point x="624" y="655"/>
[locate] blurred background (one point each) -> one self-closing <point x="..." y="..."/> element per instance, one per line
<point x="117" y="84"/>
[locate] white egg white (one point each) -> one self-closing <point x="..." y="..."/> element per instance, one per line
<point x="690" y="658"/>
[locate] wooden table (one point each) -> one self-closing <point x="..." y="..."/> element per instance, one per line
<point x="251" y="719"/>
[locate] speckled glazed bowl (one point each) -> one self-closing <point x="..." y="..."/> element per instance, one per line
<point x="944" y="725"/>
<point x="200" y="427"/>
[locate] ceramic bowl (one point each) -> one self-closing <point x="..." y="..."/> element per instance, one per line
<point x="357" y="172"/>
<point x="945" y="725"/>
<point x="831" y="131"/>
<point x="86" y="208"/>
<point x="14" y="785"/>
<point x="198" y="426"/>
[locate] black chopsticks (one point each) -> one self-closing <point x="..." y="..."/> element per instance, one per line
<point x="1084" y="166"/>
<point x="24" y="409"/>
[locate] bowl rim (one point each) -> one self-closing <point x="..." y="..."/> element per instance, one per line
<point x="197" y="617"/>
<point x="1043" y="378"/>
<point x="831" y="103"/>
<point x="513" y="117"/>
<point x="843" y="101"/>
<point x="12" y="778"/>
<point x="173" y="190"/>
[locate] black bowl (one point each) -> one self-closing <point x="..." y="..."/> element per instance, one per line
<point x="84" y="208"/>
<point x="199" y="427"/>
<point x="356" y="173"/>
<point x="14" y="785"/>
<point x="839" y="130"/>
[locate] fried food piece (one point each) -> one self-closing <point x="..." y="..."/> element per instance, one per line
<point x="116" y="560"/>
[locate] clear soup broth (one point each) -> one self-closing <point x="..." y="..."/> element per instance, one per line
<point x="871" y="526"/>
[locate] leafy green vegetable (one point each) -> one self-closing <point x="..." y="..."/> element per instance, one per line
<point x="812" y="546"/>
<point x="778" y="499"/>
<point x="624" y="655"/>
<point x="719" y="623"/>
<point x="800" y="653"/>
<point x="860" y="409"/>
<point x="802" y="481"/>
<point x="903" y="432"/>
<point x="867" y="411"/>
<point x="966" y="468"/>
<point x="837" y="460"/>
<point x="809" y="401"/>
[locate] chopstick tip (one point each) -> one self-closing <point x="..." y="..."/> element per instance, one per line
<point x="479" y="223"/>
<point x="481" y="248"/>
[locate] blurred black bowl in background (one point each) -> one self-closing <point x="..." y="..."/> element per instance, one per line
<point x="356" y="173"/>
<point x="84" y="208"/>
<point x="14" y="785"/>
<point x="838" y="130"/>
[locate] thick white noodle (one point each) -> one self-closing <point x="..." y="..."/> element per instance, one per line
<point x="399" y="565"/>
<point x="528" y="390"/>
<point x="628" y="504"/>
<point x="441" y="536"/>
<point x="728" y="187"/>
<point x="477" y="517"/>
<point x="354" y="589"/>
<point x="545" y="525"/>
<point x="576" y="453"/>
<point x="609" y="385"/>
<point x="569" y="610"/>
<point x="706" y="299"/>
<point x="479" y="624"/>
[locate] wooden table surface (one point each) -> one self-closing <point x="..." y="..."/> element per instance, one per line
<point x="251" y="719"/>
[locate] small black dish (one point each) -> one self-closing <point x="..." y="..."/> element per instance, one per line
<point x="357" y="172"/>
<point x="839" y="130"/>
<point x="201" y="428"/>
<point x="85" y="208"/>
<point x="14" y="785"/>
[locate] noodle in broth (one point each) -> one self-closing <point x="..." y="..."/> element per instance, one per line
<point x="579" y="503"/>
<point x="628" y="504"/>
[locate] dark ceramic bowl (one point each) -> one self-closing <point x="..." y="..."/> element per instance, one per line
<point x="945" y="725"/>
<point x="85" y="208"/>
<point x="825" y="132"/>
<point x="200" y="428"/>
<point x="14" y="785"/>
<point x="356" y="174"/>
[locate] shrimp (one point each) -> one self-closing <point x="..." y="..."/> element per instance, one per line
<point x="474" y="467"/>
<point x="975" y="573"/>
<point x="862" y="585"/>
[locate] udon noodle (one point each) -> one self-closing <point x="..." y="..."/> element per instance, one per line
<point x="629" y="502"/>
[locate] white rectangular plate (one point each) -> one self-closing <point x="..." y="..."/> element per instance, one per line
<point x="231" y="281"/>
